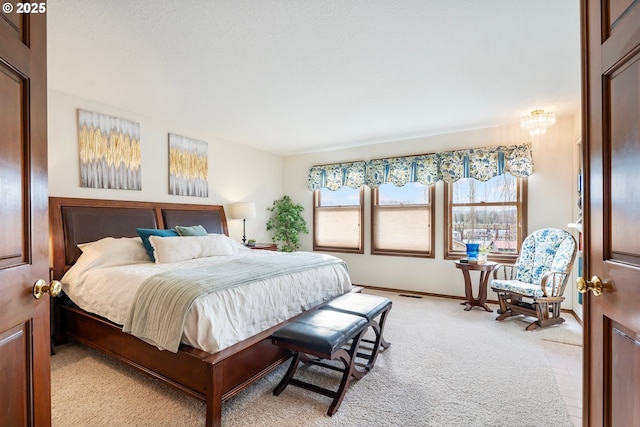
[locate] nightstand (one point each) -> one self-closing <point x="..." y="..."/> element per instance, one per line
<point x="265" y="246"/>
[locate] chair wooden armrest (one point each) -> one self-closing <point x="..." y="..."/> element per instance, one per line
<point x="556" y="280"/>
<point x="505" y="271"/>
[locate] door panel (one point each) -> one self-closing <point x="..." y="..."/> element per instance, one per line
<point x="624" y="356"/>
<point x="16" y="22"/>
<point x="611" y="59"/>
<point x="623" y="98"/>
<point x="14" y="365"/>
<point x="12" y="203"/>
<point x="24" y="257"/>
<point x="615" y="10"/>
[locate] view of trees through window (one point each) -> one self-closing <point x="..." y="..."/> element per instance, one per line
<point x="485" y="213"/>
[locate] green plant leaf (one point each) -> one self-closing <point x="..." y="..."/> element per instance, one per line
<point x="287" y="222"/>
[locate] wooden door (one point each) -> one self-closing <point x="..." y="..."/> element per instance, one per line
<point x="611" y="32"/>
<point x="24" y="256"/>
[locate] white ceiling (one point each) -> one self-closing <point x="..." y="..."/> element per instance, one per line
<point x="293" y="76"/>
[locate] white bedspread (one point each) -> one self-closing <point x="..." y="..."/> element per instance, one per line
<point x="218" y="320"/>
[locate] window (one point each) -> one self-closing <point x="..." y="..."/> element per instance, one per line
<point x="492" y="213"/>
<point x="402" y="219"/>
<point x="337" y="219"/>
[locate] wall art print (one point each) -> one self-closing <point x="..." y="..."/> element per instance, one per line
<point x="109" y="152"/>
<point x="188" y="166"/>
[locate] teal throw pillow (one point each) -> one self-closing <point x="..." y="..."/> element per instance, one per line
<point x="144" y="234"/>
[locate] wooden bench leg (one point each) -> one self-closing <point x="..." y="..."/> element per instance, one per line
<point x="325" y="335"/>
<point x="293" y="367"/>
<point x="385" y="344"/>
<point x="378" y="329"/>
<point x="347" y="357"/>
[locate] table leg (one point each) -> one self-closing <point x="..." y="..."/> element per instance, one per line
<point x="468" y="290"/>
<point x="482" y="291"/>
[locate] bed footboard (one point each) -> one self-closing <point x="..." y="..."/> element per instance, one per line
<point x="212" y="378"/>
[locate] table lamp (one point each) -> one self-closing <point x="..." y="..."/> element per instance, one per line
<point x="243" y="211"/>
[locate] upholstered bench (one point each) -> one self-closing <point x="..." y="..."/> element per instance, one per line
<point x="323" y="334"/>
<point x="370" y="307"/>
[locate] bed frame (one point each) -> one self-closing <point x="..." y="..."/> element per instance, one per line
<point x="211" y="377"/>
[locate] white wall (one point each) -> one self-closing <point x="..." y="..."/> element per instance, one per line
<point x="551" y="191"/>
<point x="239" y="173"/>
<point x="236" y="173"/>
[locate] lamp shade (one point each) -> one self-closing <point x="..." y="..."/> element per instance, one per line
<point x="243" y="210"/>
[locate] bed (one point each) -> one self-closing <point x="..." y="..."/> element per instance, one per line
<point x="212" y="376"/>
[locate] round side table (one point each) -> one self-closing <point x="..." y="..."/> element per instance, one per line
<point x="485" y="271"/>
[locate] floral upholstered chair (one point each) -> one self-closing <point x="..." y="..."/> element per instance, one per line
<point x="535" y="284"/>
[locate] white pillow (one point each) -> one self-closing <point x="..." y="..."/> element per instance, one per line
<point x="111" y="251"/>
<point x="172" y="249"/>
<point x="108" y="252"/>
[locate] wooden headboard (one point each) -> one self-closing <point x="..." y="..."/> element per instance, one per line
<point x="73" y="221"/>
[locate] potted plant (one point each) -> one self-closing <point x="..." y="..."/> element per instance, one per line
<point x="251" y="242"/>
<point x="287" y="222"/>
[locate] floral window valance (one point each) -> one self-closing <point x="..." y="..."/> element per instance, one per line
<point x="337" y="175"/>
<point x="479" y="163"/>
<point x="486" y="163"/>
<point x="401" y="170"/>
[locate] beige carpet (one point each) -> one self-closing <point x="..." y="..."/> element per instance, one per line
<point x="446" y="367"/>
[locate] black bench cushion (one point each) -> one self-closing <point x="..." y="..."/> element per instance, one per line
<point x="322" y="331"/>
<point x="369" y="306"/>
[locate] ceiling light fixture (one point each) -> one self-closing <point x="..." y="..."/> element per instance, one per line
<point x="537" y="122"/>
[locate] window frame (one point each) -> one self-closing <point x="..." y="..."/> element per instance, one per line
<point x="406" y="253"/>
<point x="522" y="218"/>
<point x="316" y="207"/>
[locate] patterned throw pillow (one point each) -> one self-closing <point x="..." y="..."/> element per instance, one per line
<point x="194" y="230"/>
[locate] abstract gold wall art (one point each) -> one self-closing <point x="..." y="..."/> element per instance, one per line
<point x="109" y="152"/>
<point x="188" y="166"/>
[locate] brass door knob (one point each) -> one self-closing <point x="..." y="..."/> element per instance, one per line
<point x="40" y="288"/>
<point x="594" y="285"/>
